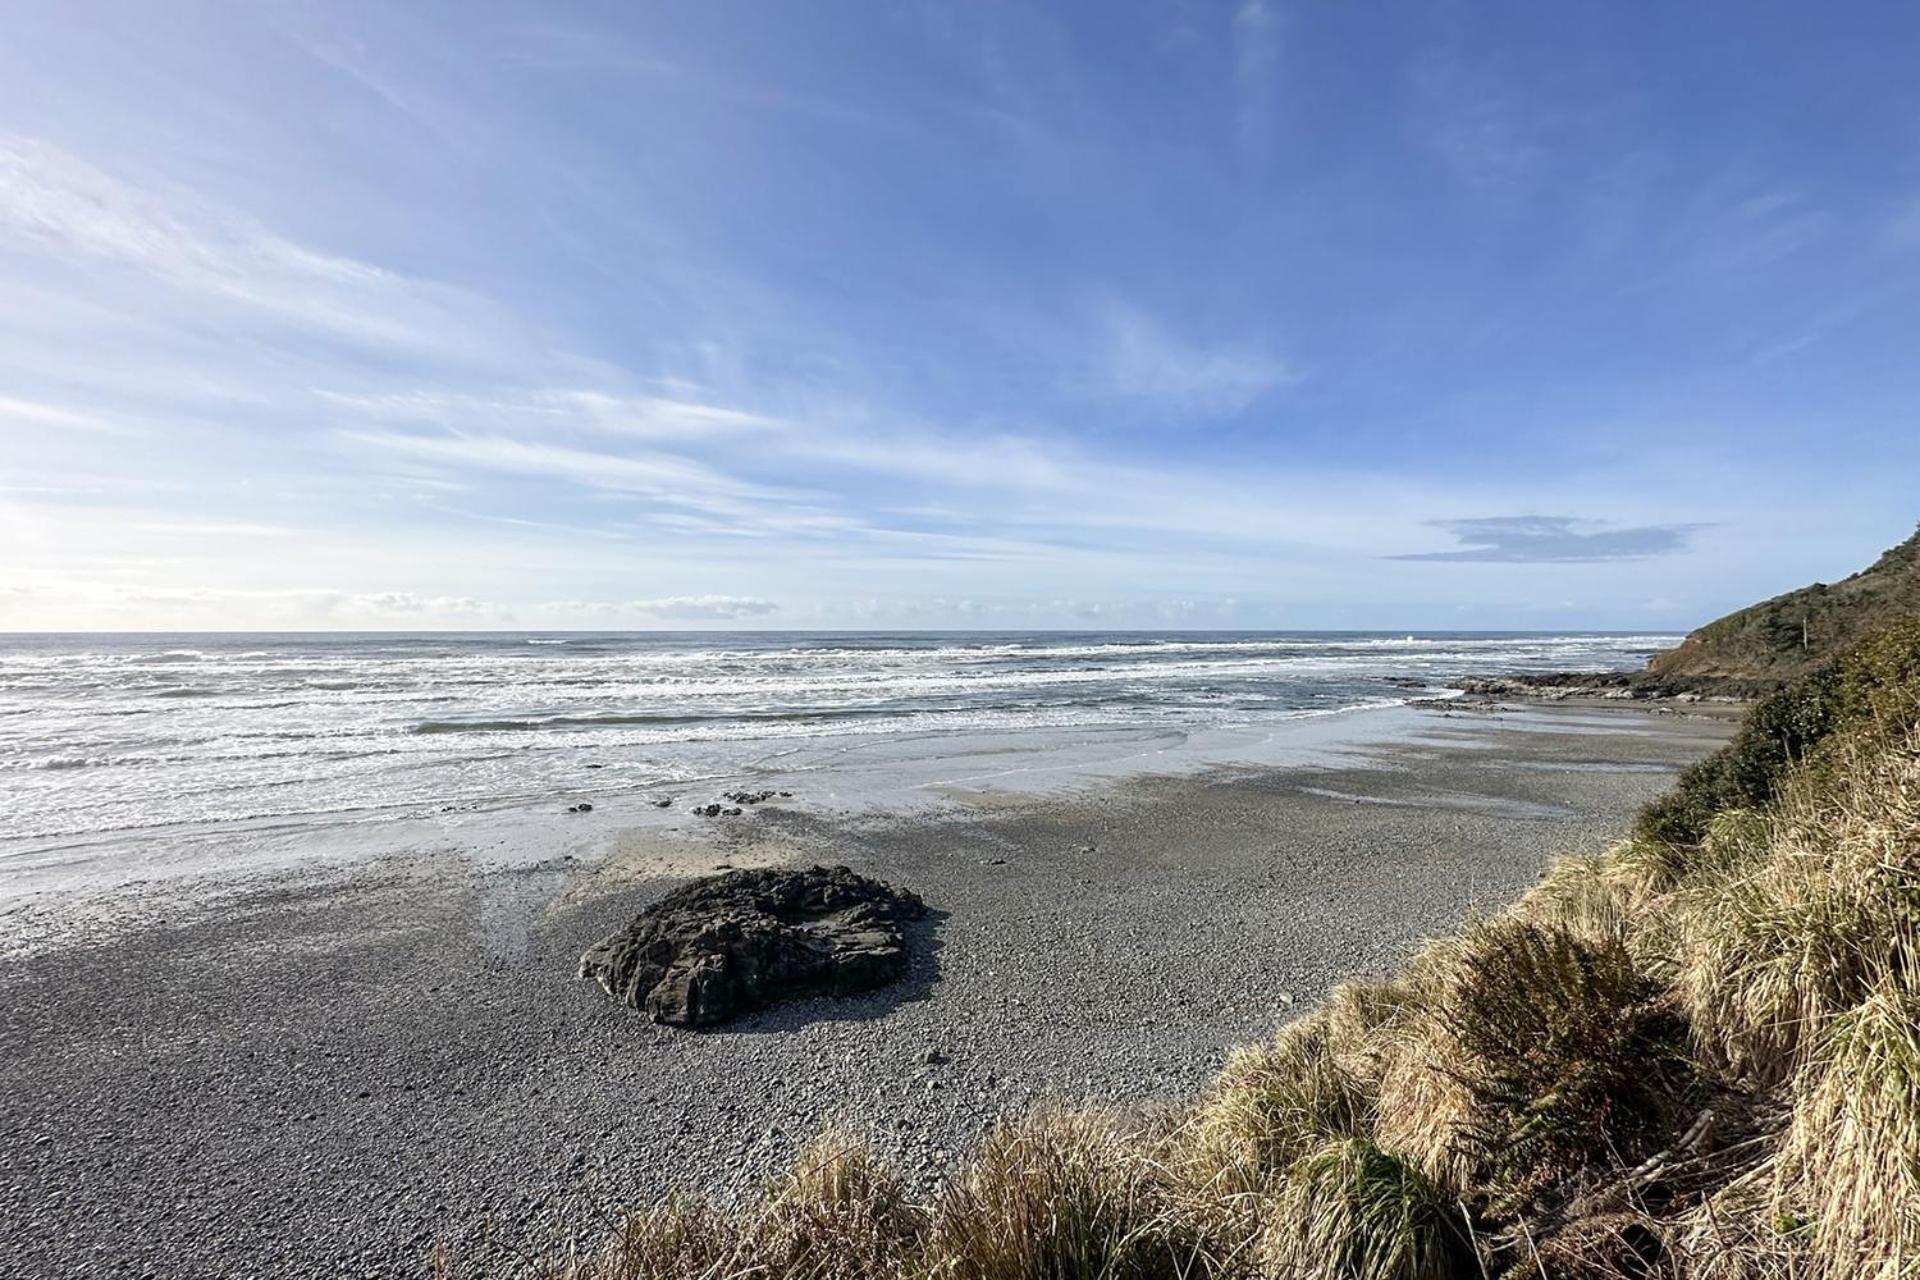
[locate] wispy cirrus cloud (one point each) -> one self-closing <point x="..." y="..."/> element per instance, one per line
<point x="666" y="477"/>
<point x="1474" y="123"/>
<point x="33" y="413"/>
<point x="55" y="204"/>
<point x="1554" y="540"/>
<point x="1148" y="362"/>
<point x="1257" y="46"/>
<point x="1751" y="231"/>
<point x="546" y="409"/>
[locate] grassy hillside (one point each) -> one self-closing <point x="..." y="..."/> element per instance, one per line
<point x="1696" y="1054"/>
<point x="1790" y="634"/>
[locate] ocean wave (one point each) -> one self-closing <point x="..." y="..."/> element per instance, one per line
<point x="662" y="719"/>
<point x="170" y="656"/>
<point x="61" y="763"/>
<point x="147" y="732"/>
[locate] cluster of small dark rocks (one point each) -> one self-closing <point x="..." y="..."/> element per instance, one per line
<point x="736" y="800"/>
<point x="735" y="806"/>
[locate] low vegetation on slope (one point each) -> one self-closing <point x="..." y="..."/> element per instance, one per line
<point x="1790" y="634"/>
<point x="1694" y="1055"/>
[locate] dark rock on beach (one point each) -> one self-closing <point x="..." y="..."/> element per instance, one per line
<point x="726" y="945"/>
<point x="1637" y="686"/>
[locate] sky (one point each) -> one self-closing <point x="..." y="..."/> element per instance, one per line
<point x="951" y="315"/>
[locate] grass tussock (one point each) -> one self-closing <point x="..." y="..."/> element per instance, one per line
<point x="1604" y="899"/>
<point x="1780" y="944"/>
<point x="1541" y="1052"/>
<point x="837" y="1213"/>
<point x="1351" y="1211"/>
<point x="1063" y="1196"/>
<point x="1695" y="1056"/>
<point x="1850" y="1166"/>
<point x="1272" y="1105"/>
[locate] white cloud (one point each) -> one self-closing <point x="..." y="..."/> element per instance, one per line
<point x="56" y="204"/>
<point x="551" y="409"/>
<point x="1474" y="124"/>
<point x="37" y="414"/>
<point x="1752" y="231"/>
<point x="118" y="606"/>
<point x="1144" y="361"/>
<point x="1256" y="52"/>
<point x="702" y="608"/>
<point x="662" y="476"/>
<point x="579" y="478"/>
<point x="211" y="528"/>
<point x="115" y="605"/>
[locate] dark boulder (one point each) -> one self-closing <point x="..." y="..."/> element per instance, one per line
<point x="726" y="945"/>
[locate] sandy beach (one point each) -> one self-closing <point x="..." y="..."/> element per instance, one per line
<point x="324" y="1069"/>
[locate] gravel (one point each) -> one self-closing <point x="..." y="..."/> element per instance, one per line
<point x="331" y="1073"/>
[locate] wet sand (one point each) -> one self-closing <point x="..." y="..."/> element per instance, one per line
<point x="322" y="1071"/>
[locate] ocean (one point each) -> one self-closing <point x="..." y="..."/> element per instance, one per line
<point x="127" y="733"/>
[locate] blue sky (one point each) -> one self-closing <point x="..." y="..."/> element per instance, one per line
<point x="951" y="315"/>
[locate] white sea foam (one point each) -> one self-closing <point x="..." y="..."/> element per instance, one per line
<point x="109" y="733"/>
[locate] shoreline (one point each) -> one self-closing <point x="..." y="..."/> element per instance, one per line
<point x="337" y="1065"/>
<point x="917" y="773"/>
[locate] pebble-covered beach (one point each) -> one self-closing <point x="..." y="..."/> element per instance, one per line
<point x="332" y="1071"/>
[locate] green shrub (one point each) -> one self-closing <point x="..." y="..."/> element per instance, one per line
<point x="1778" y="733"/>
<point x="1874" y="688"/>
<point x="1880" y="681"/>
